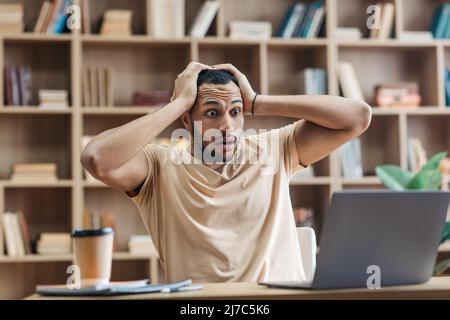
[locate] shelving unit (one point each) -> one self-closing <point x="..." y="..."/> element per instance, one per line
<point x="140" y="62"/>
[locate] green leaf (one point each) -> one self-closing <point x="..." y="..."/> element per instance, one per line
<point x="393" y="177"/>
<point x="446" y="232"/>
<point x="441" y="267"/>
<point x="433" y="163"/>
<point x="425" y="180"/>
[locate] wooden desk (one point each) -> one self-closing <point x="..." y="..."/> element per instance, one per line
<point x="436" y="288"/>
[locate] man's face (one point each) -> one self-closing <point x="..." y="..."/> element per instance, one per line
<point x="219" y="109"/>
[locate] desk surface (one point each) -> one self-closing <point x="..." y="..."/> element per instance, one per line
<point x="436" y="288"/>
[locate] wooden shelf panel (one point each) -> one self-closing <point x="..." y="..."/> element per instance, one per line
<point x="119" y="110"/>
<point x="37" y="184"/>
<point x="32" y="110"/>
<point x="46" y="138"/>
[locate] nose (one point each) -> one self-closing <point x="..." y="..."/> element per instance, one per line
<point x="227" y="124"/>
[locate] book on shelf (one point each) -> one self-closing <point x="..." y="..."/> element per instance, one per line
<point x="96" y="220"/>
<point x="152" y="98"/>
<point x="312" y="81"/>
<point x="348" y="81"/>
<point x="85" y="16"/>
<point x="166" y="18"/>
<point x="351" y="159"/>
<point x="417" y="155"/>
<point x="204" y="18"/>
<point x="141" y="245"/>
<point x="398" y="95"/>
<point x="97" y="87"/>
<point x="302" y="20"/>
<point x="116" y="23"/>
<point x="351" y="34"/>
<point x="18" y="86"/>
<point x="41" y="172"/>
<point x="304" y="217"/>
<point x="53" y="99"/>
<point x="54" y="243"/>
<point x="440" y="23"/>
<point x="416" y="36"/>
<point x="11" y="18"/>
<point x="52" y="17"/>
<point x="447" y="87"/>
<point x="250" y="30"/>
<point x="386" y="17"/>
<point x="16" y="234"/>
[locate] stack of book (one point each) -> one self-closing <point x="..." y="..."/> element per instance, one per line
<point x="304" y="217"/>
<point x="52" y="17"/>
<point x="440" y="24"/>
<point x="152" y="98"/>
<point x="398" y="95"/>
<point x="98" y="87"/>
<point x="166" y="18"/>
<point x="312" y="81"/>
<point x="350" y="34"/>
<point x="250" y="30"/>
<point x="351" y="160"/>
<point x="302" y="20"/>
<point x="204" y="18"/>
<point x="53" y="99"/>
<point x="54" y="243"/>
<point x="11" y="18"/>
<point x="17" y="236"/>
<point x="417" y="155"/>
<point x="116" y="23"/>
<point x="385" y="21"/>
<point x="348" y="81"/>
<point x="141" y="245"/>
<point x="17" y="86"/>
<point x="39" y="172"/>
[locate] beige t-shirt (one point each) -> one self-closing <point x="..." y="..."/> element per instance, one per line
<point x="237" y="225"/>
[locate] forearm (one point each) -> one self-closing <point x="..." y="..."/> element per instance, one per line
<point x="110" y="149"/>
<point x="328" y="111"/>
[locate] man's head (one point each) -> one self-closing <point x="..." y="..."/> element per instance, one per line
<point x="218" y="108"/>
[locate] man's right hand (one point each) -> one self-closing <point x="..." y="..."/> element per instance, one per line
<point x="186" y="83"/>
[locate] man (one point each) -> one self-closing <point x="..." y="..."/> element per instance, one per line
<point x="214" y="210"/>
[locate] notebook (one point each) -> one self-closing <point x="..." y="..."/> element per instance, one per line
<point x="117" y="288"/>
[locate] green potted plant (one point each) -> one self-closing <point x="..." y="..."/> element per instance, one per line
<point x="428" y="178"/>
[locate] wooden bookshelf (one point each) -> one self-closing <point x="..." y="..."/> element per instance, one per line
<point x="28" y="134"/>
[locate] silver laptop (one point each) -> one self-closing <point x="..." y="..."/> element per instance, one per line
<point x="395" y="234"/>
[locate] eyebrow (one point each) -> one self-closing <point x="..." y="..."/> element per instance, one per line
<point x="216" y="103"/>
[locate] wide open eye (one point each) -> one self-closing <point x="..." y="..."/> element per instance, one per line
<point x="236" y="112"/>
<point x="212" y="113"/>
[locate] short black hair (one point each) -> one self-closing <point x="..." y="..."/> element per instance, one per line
<point x="215" y="77"/>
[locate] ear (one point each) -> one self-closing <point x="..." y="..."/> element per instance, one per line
<point x="185" y="119"/>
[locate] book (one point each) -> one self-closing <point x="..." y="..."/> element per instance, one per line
<point x="53" y="99"/>
<point x="42" y="16"/>
<point x="447" y="86"/>
<point x="312" y="81"/>
<point x="86" y="88"/>
<point x="353" y="34"/>
<point x="85" y="17"/>
<point x="25" y="86"/>
<point x="166" y="18"/>
<point x="397" y="95"/>
<point x="250" y="30"/>
<point x="54" y="243"/>
<point x="25" y="232"/>
<point x="415" y="36"/>
<point x="93" y="83"/>
<point x="439" y="21"/>
<point x="304" y="217"/>
<point x="417" y="156"/>
<point x="11" y="17"/>
<point x="204" y="18"/>
<point x="348" y="81"/>
<point x="42" y="172"/>
<point x="8" y="231"/>
<point x="351" y="161"/>
<point x="116" y="22"/>
<point x="98" y="87"/>
<point x="387" y="21"/>
<point x="101" y="87"/>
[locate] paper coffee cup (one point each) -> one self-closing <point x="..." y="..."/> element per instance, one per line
<point x="93" y="251"/>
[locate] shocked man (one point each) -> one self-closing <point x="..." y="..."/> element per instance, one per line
<point x="216" y="212"/>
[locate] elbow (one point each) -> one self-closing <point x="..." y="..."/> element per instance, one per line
<point x="91" y="162"/>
